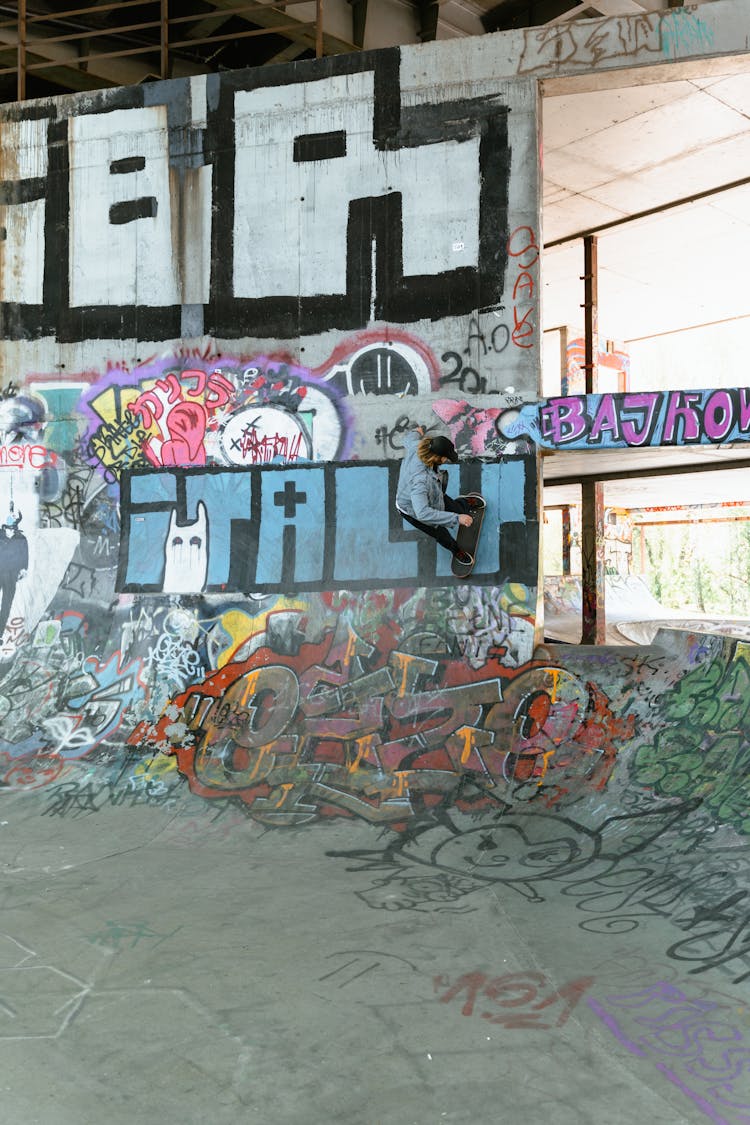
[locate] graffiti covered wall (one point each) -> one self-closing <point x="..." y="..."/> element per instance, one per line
<point x="246" y="291"/>
<point x="635" y="419"/>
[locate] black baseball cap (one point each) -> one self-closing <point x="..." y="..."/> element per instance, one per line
<point x="443" y="447"/>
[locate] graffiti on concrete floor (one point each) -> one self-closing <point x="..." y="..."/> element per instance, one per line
<point x="693" y="1041"/>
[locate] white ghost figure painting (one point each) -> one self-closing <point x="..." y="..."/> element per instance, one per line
<point x="186" y="555"/>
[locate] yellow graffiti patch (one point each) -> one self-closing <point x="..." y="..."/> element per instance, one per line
<point x="242" y="627"/>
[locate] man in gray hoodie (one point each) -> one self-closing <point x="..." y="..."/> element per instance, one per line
<point x="420" y="495"/>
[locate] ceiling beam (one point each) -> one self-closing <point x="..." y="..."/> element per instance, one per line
<point x="289" y="53"/>
<point x="429" y="11"/>
<point x="359" y="22"/>
<point x="68" y="68"/>
<point x="658" y="210"/>
<point x="206" y="27"/>
<point x="266" y="16"/>
<point x="59" y="63"/>
<point x="740" y="464"/>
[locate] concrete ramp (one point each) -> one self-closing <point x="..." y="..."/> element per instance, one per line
<point x="297" y="828"/>
<point x="558" y="933"/>
<point x="634" y="615"/>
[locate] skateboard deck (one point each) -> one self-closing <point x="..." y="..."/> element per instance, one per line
<point x="468" y="537"/>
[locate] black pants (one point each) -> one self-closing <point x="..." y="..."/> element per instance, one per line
<point x="443" y="536"/>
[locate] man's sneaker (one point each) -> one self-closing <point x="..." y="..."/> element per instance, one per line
<point x="464" y="558"/>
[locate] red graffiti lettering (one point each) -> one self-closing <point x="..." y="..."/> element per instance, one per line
<point x="22" y="456"/>
<point x="522" y="245"/>
<point x="260" y="449"/>
<point x="517" y="991"/>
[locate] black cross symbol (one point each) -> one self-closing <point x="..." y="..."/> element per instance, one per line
<point x="289" y="498"/>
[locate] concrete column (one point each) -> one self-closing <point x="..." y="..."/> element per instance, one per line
<point x="593" y="623"/>
<point x="566" y="538"/>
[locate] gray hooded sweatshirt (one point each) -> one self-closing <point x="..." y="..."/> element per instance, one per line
<point x="420" y="493"/>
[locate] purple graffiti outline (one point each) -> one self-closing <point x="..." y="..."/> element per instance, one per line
<point x="614" y="1027"/>
<point x="123" y="378"/>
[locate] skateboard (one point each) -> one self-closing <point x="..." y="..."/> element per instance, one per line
<point x="468" y="537"/>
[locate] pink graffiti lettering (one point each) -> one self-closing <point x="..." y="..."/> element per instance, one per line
<point x="216" y="387"/>
<point x="718" y="415"/>
<point x="648" y="402"/>
<point x="605" y="419"/>
<point x="744" y="421"/>
<point x="563" y="420"/>
<point x="186" y="424"/>
<point x="149" y="406"/>
<point x="680" y="405"/>
<point x="171" y="386"/>
<point x="183" y="423"/>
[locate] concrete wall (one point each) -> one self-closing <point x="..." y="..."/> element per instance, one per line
<point x="225" y="302"/>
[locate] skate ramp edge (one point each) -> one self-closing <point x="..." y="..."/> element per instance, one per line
<point x="291" y="732"/>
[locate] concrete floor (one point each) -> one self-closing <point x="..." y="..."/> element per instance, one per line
<point x="175" y="962"/>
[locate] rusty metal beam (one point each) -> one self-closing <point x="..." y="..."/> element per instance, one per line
<point x="60" y="60"/>
<point x="75" y="79"/>
<point x="256" y="33"/>
<point x="591" y="312"/>
<point x="63" y="58"/>
<point x="96" y="9"/>
<point x="105" y="33"/>
<point x="150" y="49"/>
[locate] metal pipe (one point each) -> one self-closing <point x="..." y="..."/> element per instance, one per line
<point x="108" y="32"/>
<point x="164" y="40"/>
<point x="21" y="78"/>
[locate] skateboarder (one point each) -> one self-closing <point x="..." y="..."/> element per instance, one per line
<point x="420" y="496"/>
